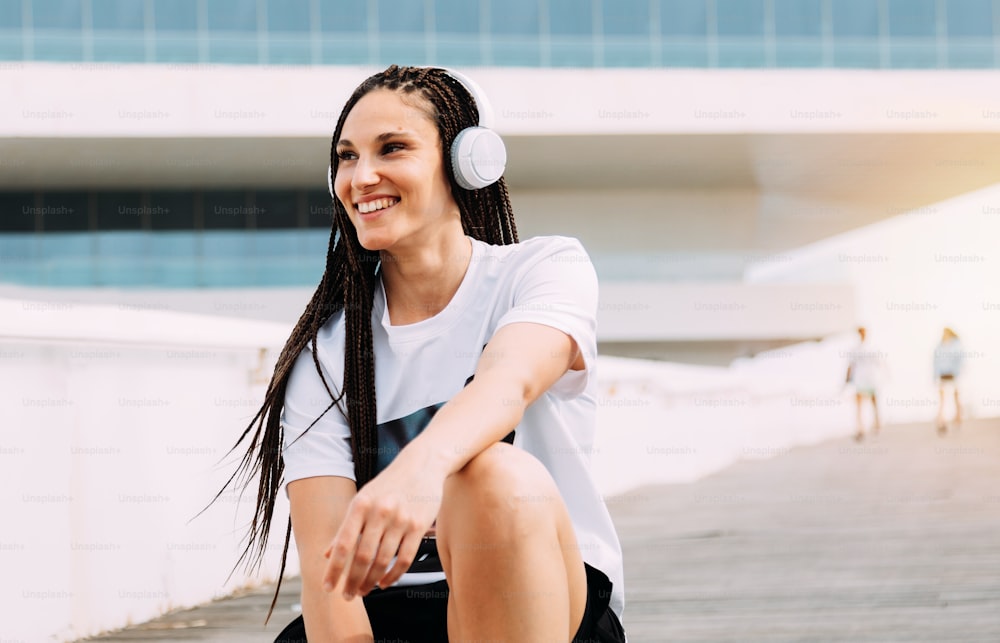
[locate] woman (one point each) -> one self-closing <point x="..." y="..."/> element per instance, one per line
<point x="479" y="351"/>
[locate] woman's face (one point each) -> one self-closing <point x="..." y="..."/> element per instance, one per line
<point x="390" y="177"/>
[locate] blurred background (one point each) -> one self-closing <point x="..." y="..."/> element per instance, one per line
<point x="753" y="179"/>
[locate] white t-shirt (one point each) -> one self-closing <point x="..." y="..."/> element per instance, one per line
<point x="419" y="367"/>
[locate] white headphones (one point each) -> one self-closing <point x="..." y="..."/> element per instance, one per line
<point x="478" y="155"/>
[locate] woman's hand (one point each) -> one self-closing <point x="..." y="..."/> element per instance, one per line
<point x="386" y="519"/>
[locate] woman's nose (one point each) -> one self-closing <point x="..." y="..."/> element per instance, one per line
<point x="365" y="173"/>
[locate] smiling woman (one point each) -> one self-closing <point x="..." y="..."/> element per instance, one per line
<point x="479" y="349"/>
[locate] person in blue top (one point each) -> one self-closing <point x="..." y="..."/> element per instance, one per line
<point x="948" y="361"/>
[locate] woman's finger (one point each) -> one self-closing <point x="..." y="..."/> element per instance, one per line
<point x="404" y="557"/>
<point x="383" y="559"/>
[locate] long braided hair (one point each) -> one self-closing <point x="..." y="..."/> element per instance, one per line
<point x="348" y="285"/>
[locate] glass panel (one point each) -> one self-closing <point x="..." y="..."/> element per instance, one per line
<point x="684" y="53"/>
<point x="457" y="51"/>
<point x="683" y="18"/>
<point x="402" y="50"/>
<point x="514" y="17"/>
<point x="740" y="17"/>
<point x="11" y="46"/>
<point x="171" y="210"/>
<point x="626" y="17"/>
<point x="288" y="15"/>
<point x="56" y="14"/>
<point x="119" y="211"/>
<point x="65" y="211"/>
<point x="798" y="17"/>
<point x="799" y="52"/>
<point x="855" y="17"/>
<point x="456" y="16"/>
<point x="571" y="52"/>
<point x="911" y="18"/>
<point x="343" y="17"/>
<point x="10" y="15"/>
<point x="970" y="55"/>
<point x="320" y="209"/>
<point x="122" y="259"/>
<point x="288" y="50"/>
<point x="908" y="55"/>
<point x="175" y="15"/>
<point x="17" y="211"/>
<point x="232" y="15"/>
<point x="118" y="14"/>
<point x="856" y="54"/>
<point x="119" y="47"/>
<point x="177" y="49"/>
<point x="225" y="209"/>
<point x="747" y="53"/>
<point x="345" y="50"/>
<point x="516" y="52"/>
<point x="400" y="16"/>
<point x="970" y="17"/>
<point x="175" y="259"/>
<point x="233" y="48"/>
<point x="571" y="17"/>
<point x="277" y="209"/>
<point x="62" y="48"/>
<point x="627" y="54"/>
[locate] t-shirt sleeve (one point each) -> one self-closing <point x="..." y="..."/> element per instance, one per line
<point x="325" y="448"/>
<point x="557" y="287"/>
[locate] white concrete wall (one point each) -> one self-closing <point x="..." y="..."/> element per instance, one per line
<point x="115" y="434"/>
<point x="914" y="274"/>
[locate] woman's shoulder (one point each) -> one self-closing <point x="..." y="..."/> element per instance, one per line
<point x="548" y="246"/>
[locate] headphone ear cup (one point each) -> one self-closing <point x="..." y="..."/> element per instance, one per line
<point x="478" y="157"/>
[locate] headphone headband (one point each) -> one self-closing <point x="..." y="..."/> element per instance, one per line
<point x="482" y="104"/>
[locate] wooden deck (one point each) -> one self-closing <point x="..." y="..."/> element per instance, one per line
<point x="892" y="539"/>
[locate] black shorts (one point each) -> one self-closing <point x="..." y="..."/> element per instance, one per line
<point x="418" y="614"/>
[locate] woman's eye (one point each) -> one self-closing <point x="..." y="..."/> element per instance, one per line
<point x="345" y="155"/>
<point x="392" y="147"/>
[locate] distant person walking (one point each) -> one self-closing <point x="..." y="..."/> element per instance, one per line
<point x="863" y="372"/>
<point x="948" y="359"/>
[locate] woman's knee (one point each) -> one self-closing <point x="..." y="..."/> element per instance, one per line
<point x="504" y="486"/>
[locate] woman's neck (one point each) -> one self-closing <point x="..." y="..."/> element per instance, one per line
<point x="420" y="283"/>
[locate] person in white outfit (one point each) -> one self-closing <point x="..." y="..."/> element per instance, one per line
<point x="948" y="361"/>
<point x="863" y="373"/>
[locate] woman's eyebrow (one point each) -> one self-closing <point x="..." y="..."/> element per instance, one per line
<point x="381" y="138"/>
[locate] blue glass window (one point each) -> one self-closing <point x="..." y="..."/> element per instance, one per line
<point x="175" y="15"/>
<point x="288" y="15"/>
<point x="65" y="211"/>
<point x="232" y="15"/>
<point x="343" y="17"/>
<point x="626" y="17"/>
<point x="276" y="209"/>
<point x="119" y="14"/>
<point x="225" y="209"/>
<point x="970" y="18"/>
<point x="17" y="212"/>
<point x="912" y="18"/>
<point x="119" y="211"/>
<point x="10" y="15"/>
<point x="683" y="18"/>
<point x="320" y="209"/>
<point x="514" y="17"/>
<point x="740" y="17"/>
<point x="56" y="14"/>
<point x="798" y="17"/>
<point x="855" y="18"/>
<point x="456" y="16"/>
<point x="395" y="16"/>
<point x="571" y="17"/>
<point x="171" y="210"/>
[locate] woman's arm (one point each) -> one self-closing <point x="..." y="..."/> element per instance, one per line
<point x="318" y="506"/>
<point x="392" y="512"/>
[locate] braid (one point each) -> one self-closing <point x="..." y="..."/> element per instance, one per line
<point x="348" y="284"/>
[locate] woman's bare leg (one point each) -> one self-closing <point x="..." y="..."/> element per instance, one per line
<point x="508" y="549"/>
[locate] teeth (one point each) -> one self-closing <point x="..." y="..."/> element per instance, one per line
<point x="377" y="204"/>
